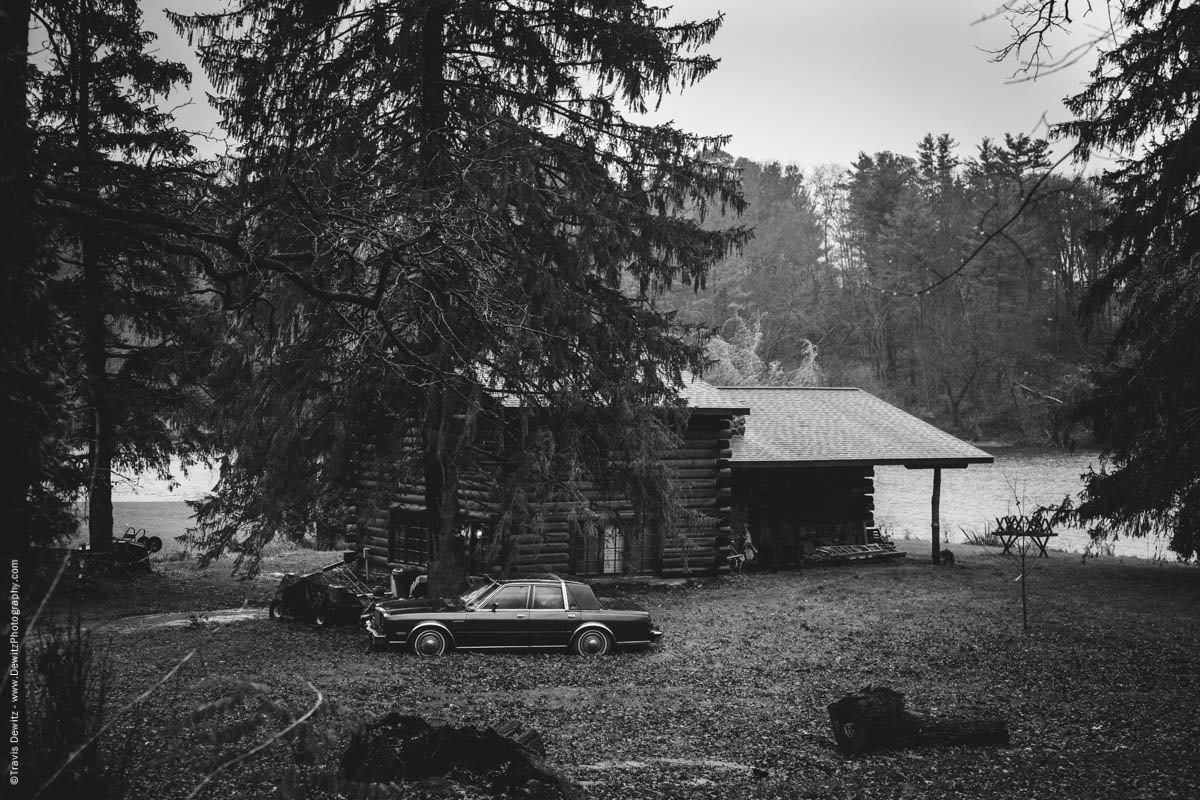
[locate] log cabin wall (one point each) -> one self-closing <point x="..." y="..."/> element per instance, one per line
<point x="703" y="482"/>
<point x="390" y="515"/>
<point x="790" y="510"/>
<point x="591" y="536"/>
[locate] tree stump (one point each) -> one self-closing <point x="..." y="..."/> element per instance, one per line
<point x="875" y="717"/>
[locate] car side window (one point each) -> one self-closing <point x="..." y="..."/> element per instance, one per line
<point x="509" y="597"/>
<point x="548" y="597"/>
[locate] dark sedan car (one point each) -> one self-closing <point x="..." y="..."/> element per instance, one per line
<point x="544" y="613"/>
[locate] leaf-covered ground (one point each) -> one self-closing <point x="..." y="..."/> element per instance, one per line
<point x="1102" y="696"/>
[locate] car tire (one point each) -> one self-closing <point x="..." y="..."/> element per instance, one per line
<point x="591" y="642"/>
<point x="323" y="619"/>
<point x="274" y="611"/>
<point x="429" y="642"/>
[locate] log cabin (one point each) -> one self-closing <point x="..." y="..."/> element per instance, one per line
<point x="791" y="469"/>
<point x="592" y="533"/>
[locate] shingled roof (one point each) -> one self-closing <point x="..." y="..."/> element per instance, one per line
<point x="704" y="398"/>
<point x="844" y="427"/>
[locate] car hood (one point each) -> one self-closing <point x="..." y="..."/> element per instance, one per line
<point x="419" y="605"/>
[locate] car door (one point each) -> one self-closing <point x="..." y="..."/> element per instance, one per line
<point x="550" y="622"/>
<point x="501" y="621"/>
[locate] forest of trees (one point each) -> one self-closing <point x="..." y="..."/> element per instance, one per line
<point x="946" y="282"/>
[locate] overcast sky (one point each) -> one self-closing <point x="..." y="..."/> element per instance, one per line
<point x="817" y="81"/>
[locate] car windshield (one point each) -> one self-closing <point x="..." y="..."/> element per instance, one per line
<point x="472" y="598"/>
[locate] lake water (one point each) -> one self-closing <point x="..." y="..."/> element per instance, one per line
<point x="148" y="488"/>
<point x="1021" y="479"/>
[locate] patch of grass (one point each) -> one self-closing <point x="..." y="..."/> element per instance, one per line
<point x="1101" y="698"/>
<point x="985" y="538"/>
<point x="180" y="584"/>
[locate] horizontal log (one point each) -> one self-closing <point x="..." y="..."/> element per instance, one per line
<point x="690" y="453"/>
<point x="692" y="564"/>
<point x="875" y="718"/>
<point x="556" y="567"/>
<point x="706" y="462"/>
<point x="547" y="550"/>
<point x="708" y="472"/>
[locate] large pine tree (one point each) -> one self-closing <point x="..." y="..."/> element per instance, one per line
<point x="457" y="206"/>
<point x="110" y="166"/>
<point x="1144" y="407"/>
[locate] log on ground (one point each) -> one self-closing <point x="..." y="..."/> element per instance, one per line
<point x="875" y="718"/>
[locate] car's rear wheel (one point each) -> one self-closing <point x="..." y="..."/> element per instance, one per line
<point x="592" y="642"/>
<point x="430" y="642"/>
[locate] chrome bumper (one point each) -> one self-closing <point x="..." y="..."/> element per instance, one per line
<point x="375" y="634"/>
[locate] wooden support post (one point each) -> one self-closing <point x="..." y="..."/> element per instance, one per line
<point x="936" y="525"/>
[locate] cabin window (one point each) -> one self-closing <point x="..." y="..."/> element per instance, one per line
<point x="408" y="537"/>
<point x="607" y="549"/>
<point x="612" y="550"/>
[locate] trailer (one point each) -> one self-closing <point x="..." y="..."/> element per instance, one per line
<point x="333" y="595"/>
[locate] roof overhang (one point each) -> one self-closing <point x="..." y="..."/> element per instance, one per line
<point x="883" y="462"/>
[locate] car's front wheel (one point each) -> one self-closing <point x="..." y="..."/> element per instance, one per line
<point x="592" y="642"/>
<point x="430" y="642"/>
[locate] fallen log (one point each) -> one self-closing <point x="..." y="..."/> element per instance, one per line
<point x="875" y="717"/>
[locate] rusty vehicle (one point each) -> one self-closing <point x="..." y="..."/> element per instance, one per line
<point x="531" y="613"/>
<point x="333" y="595"/>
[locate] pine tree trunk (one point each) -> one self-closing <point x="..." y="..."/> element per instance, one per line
<point x="94" y="325"/>
<point x="444" y="425"/>
<point x="101" y="439"/>
<point x="447" y="554"/>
